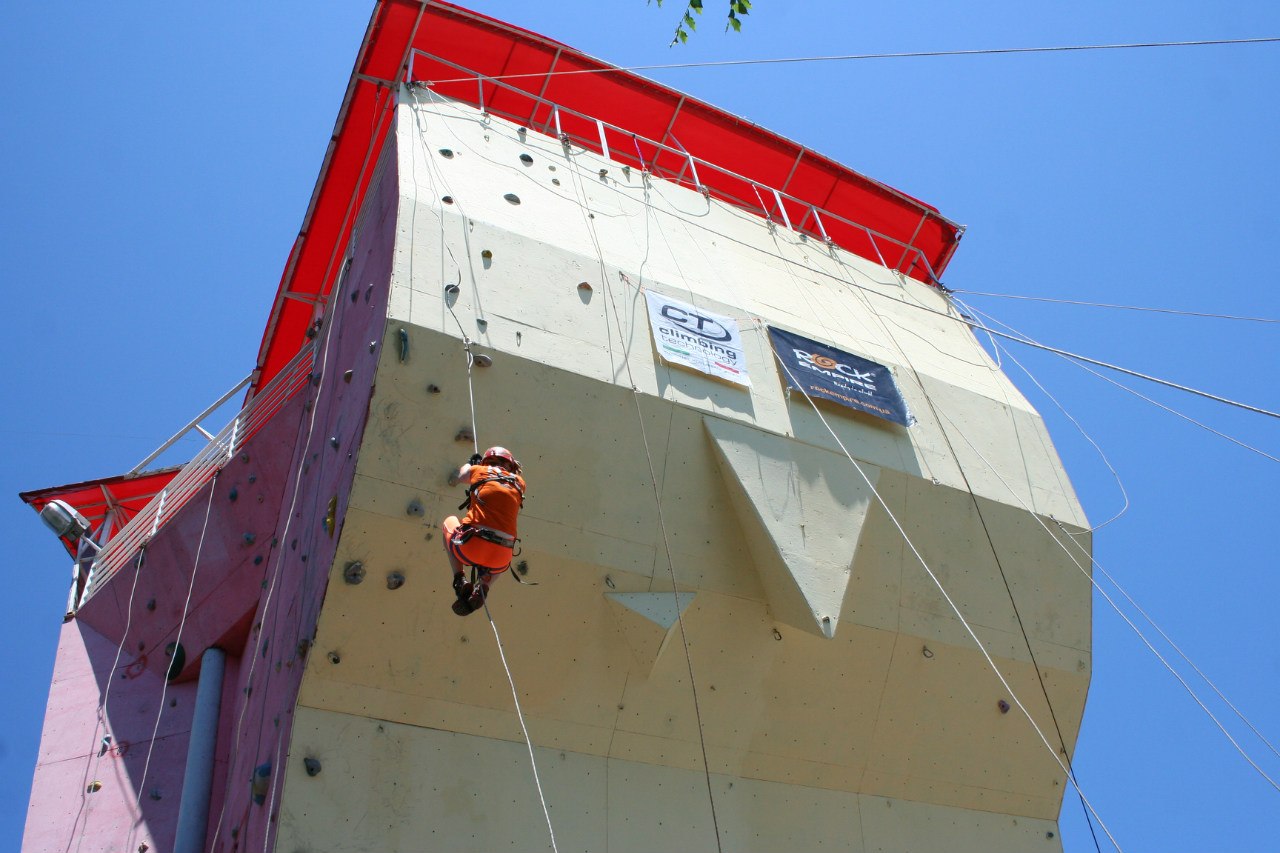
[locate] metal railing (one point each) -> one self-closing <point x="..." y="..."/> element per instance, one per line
<point x="549" y="119"/>
<point x="197" y="473"/>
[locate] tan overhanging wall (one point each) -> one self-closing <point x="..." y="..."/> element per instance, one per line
<point x="843" y="704"/>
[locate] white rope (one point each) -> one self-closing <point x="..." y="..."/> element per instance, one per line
<point x="100" y="724"/>
<point x="1121" y="307"/>
<point x="1124" y="493"/>
<point x="177" y="645"/>
<point x="950" y="602"/>
<point x="1119" y="612"/>
<point x="515" y="696"/>
<point x="1077" y="357"/>
<point x="1152" y="622"/>
<point x="1144" y="397"/>
<point x="653" y="479"/>
<point x="917" y="54"/>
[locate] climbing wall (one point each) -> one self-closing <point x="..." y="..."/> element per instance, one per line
<point x="738" y="626"/>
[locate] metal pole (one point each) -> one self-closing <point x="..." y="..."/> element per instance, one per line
<point x="196" y="420"/>
<point x="197" y="779"/>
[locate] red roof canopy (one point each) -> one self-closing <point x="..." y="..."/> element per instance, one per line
<point x="441" y="39"/>
<point x="95" y="498"/>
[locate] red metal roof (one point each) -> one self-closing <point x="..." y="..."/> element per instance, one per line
<point x="451" y="37"/>
<point x="127" y="495"/>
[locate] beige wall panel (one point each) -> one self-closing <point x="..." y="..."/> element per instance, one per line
<point x="804" y="731"/>
<point x="392" y="787"/>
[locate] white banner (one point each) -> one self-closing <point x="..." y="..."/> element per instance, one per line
<point x="696" y="338"/>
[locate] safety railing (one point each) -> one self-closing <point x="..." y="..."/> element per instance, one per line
<point x="553" y="120"/>
<point x="197" y="473"/>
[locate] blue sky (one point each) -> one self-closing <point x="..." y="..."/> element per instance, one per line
<point x="156" y="162"/>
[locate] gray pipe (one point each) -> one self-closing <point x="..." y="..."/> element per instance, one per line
<point x="197" y="779"/>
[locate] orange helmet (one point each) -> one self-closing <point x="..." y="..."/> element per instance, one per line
<point x="500" y="453"/>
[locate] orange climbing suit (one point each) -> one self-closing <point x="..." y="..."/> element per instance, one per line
<point x="486" y="536"/>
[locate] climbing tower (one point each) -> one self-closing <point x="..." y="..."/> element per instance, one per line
<point x="801" y="569"/>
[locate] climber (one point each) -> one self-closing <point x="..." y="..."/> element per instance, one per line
<point x="485" y="538"/>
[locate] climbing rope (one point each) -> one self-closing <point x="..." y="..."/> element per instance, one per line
<point x="450" y="291"/>
<point x="100" y="724"/>
<point x="947" y="597"/>
<point x="653" y="479"/>
<point x="1022" y="338"/>
<point x="177" y="649"/>
<point x="1122" y="615"/>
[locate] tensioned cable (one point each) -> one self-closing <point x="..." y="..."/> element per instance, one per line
<point x="662" y="524"/>
<point x="1121" y="307"/>
<point x="1150" y="400"/>
<point x="1077" y="357"/>
<point x="915" y="54"/>
<point x="177" y="642"/>
<point x="1017" y="612"/>
<point x="1124" y="493"/>
<point x="1152" y="622"/>
<point x="947" y="596"/>
<point x="1120" y="613"/>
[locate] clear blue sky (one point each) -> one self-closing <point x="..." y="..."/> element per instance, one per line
<point x="156" y="161"/>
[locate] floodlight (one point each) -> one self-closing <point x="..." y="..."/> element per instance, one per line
<point x="64" y="520"/>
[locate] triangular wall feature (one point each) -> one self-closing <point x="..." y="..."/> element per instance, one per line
<point x="802" y="510"/>
<point x="646" y="619"/>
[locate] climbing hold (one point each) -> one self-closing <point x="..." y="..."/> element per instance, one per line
<point x="258" y="786"/>
<point x="333" y="441"/>
<point x="526" y="159"/>
<point x="465" y="434"/>
<point x="94" y="787"/>
<point x="178" y="659"/>
<point x="433" y="389"/>
<point x="1003" y="706"/>
<point x="414" y="507"/>
<point x="257" y="561"/>
<point x="483" y="360"/>
<point x="926" y="651"/>
<point x="404" y="344"/>
<point x="604" y="173"/>
<point x="143" y="847"/>
<point x="253" y="478"/>
<point x="304" y="645"/>
<point x="584" y="286"/>
<point x="555" y="181"/>
<point x="482" y="322"/>
<point x="512" y="198"/>
<point x="523" y="567"/>
<point x="452" y="289"/>
<point x="331" y="515"/>
<point x="346" y="377"/>
<point x="373" y="345"/>
<point x="155" y="793"/>
<point x="446" y="153"/>
<point x="395" y="580"/>
<point x="249" y="538"/>
<point x="777" y="635"/>
<point x="353" y="573"/>
<point x="487" y="254"/>
<point x="151" y="604"/>
<point x="521" y="131"/>
<point x="448" y="199"/>
<point x="355" y="294"/>
<point x="312" y="765"/>
<point x="233" y="494"/>
<point x="335" y="658"/>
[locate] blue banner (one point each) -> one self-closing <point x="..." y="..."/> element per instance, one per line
<point x="822" y="371"/>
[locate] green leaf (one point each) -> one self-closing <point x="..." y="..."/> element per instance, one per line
<point x="688" y="19"/>
<point x="696" y="5"/>
<point x="682" y="35"/>
<point x="736" y="24"/>
<point x="743" y="6"/>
